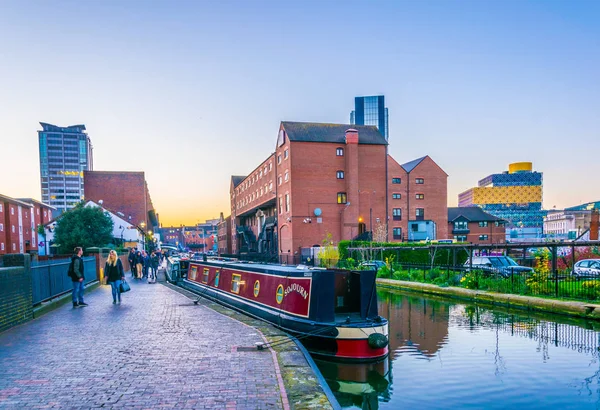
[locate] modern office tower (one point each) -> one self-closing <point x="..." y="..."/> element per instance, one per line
<point x="371" y="111"/>
<point x="515" y="196"/>
<point x="65" y="152"/>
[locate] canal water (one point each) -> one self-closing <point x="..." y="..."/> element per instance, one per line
<point x="453" y="355"/>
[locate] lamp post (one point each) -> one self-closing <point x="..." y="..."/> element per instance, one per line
<point x="142" y="226"/>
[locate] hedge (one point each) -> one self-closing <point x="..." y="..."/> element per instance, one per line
<point x="402" y="252"/>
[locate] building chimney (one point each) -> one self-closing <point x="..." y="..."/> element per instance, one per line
<point x="350" y="214"/>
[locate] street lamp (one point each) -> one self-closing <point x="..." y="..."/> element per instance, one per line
<point x="142" y="226"/>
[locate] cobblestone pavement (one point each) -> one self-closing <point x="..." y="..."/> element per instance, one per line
<point x="155" y="350"/>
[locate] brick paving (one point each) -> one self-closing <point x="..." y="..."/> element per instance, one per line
<point x="155" y="350"/>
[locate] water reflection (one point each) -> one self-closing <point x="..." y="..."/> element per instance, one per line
<point x="452" y="355"/>
<point x="360" y="385"/>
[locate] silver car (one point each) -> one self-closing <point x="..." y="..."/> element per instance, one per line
<point x="587" y="268"/>
<point x="500" y="265"/>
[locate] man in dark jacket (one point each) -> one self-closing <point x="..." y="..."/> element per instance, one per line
<point x="77" y="276"/>
<point x="131" y="260"/>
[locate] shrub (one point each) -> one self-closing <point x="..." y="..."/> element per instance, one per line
<point x="469" y="280"/>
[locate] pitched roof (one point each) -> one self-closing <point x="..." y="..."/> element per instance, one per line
<point x="35" y="201"/>
<point x="409" y="166"/>
<point x="471" y="213"/>
<point x="336" y="133"/>
<point x="237" y="179"/>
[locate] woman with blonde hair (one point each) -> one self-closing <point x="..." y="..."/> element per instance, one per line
<point x="113" y="269"/>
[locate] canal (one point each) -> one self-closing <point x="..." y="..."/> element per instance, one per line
<point x="454" y="355"/>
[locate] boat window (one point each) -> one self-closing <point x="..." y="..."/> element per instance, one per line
<point x="217" y="275"/>
<point x="256" y="288"/>
<point x="205" y="275"/>
<point x="193" y="273"/>
<point x="279" y="294"/>
<point x="236" y="280"/>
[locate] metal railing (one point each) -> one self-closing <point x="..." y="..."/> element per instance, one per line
<point x="50" y="279"/>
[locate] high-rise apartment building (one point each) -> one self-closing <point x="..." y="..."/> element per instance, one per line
<point x="65" y="152"/>
<point x="515" y="196"/>
<point x="371" y="111"/>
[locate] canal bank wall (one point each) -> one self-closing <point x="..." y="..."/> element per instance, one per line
<point x="578" y="309"/>
<point x="304" y="384"/>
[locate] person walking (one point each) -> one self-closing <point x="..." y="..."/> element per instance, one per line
<point x="146" y="263"/>
<point x="77" y="276"/>
<point x="131" y="260"/>
<point x="139" y="264"/>
<point x="154" y="261"/>
<point x="115" y="274"/>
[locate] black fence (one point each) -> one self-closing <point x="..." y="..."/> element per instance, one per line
<point x="49" y="278"/>
<point x="557" y="270"/>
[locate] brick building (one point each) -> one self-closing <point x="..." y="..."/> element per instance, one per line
<point x="126" y="193"/>
<point x="418" y="195"/>
<point x="472" y="224"/>
<point x="224" y="235"/>
<point x="332" y="179"/>
<point x="19" y="219"/>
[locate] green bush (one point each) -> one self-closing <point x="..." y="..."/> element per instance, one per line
<point x="402" y="252"/>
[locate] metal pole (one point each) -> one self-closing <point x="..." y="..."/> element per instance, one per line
<point x="554" y="271"/>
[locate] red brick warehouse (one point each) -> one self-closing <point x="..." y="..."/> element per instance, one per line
<point x="334" y="179"/>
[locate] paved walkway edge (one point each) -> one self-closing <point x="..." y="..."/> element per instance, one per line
<point x="322" y="384"/>
<point x="579" y="309"/>
<point x="50" y="305"/>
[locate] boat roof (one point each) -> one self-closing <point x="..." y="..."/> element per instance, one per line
<point x="260" y="267"/>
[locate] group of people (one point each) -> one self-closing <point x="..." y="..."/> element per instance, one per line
<point x="142" y="264"/>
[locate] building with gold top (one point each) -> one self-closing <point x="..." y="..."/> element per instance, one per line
<point x="514" y="196"/>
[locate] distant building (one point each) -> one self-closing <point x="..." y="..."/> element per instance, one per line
<point x="573" y="222"/>
<point x="472" y="224"/>
<point x="65" y="153"/>
<point x="514" y="196"/>
<point x="371" y="111"/>
<point x="125" y="193"/>
<point x="202" y="237"/>
<point x="328" y="181"/>
<point x="418" y="200"/>
<point x="19" y="221"/>
<point x="587" y="207"/>
<point x="123" y="233"/>
<point x="171" y="235"/>
<point x="224" y="235"/>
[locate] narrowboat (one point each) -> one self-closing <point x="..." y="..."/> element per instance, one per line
<point x="332" y="312"/>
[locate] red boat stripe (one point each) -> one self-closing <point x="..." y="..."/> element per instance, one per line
<point x="358" y="349"/>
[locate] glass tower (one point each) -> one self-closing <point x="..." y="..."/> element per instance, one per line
<point x="65" y="152"/>
<point x="515" y="196"/>
<point x="371" y="111"/>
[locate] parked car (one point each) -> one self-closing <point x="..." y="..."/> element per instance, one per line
<point x="587" y="268"/>
<point x="501" y="265"/>
<point x="372" y="265"/>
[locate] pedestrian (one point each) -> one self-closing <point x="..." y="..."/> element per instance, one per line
<point x="113" y="269"/>
<point x="139" y="264"/>
<point x="131" y="260"/>
<point x="77" y="276"/>
<point x="154" y="261"/>
<point x="146" y="263"/>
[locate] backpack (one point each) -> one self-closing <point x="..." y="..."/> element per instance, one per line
<point x="70" y="271"/>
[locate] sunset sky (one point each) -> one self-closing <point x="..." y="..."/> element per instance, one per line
<point x="192" y="92"/>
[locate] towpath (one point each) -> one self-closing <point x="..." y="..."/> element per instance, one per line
<point x="155" y="350"/>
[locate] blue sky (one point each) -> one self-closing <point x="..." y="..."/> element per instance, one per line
<point x="193" y="92"/>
